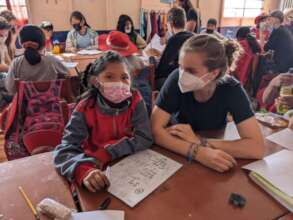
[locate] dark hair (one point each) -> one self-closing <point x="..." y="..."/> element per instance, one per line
<point x="96" y="68"/>
<point x="192" y="15"/>
<point x="245" y="33"/>
<point x="33" y="39"/>
<point x="8" y="15"/>
<point x="212" y="21"/>
<point x="177" y="16"/>
<point x="79" y="16"/>
<point x="4" y="25"/>
<point x="186" y="5"/>
<point x="122" y="22"/>
<point x="220" y="54"/>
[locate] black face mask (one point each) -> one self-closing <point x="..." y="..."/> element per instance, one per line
<point x="77" y="27"/>
<point x="210" y="31"/>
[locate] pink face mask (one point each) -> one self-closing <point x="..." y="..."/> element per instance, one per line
<point x="115" y="92"/>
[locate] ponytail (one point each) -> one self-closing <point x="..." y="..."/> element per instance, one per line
<point x="233" y="51"/>
<point x="253" y="44"/>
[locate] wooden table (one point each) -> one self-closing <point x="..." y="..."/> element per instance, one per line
<point x="196" y="192"/>
<point x="37" y="176"/>
<point x="287" y="217"/>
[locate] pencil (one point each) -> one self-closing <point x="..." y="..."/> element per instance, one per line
<point x="29" y="202"/>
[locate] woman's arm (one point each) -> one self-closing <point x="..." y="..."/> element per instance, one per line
<point x="70" y="47"/>
<point x="249" y="146"/>
<point x="212" y="158"/>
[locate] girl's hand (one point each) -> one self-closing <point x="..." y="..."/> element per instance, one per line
<point x="284" y="79"/>
<point x="215" y="159"/>
<point x="185" y="132"/>
<point x="96" y="181"/>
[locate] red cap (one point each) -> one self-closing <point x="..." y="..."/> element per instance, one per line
<point x="117" y="41"/>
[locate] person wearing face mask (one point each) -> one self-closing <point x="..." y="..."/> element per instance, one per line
<point x="125" y="25"/>
<point x="110" y="121"/>
<point x="5" y="59"/>
<point x="212" y="28"/>
<point x="81" y="36"/>
<point x="199" y="95"/>
<point x="280" y="41"/>
<point x="176" y="20"/>
<point x="33" y="65"/>
<point x="13" y="34"/>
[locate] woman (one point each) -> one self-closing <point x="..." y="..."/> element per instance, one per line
<point x="5" y="58"/>
<point x="200" y="96"/>
<point x="81" y="36"/>
<point x="33" y="65"/>
<point x="247" y="65"/>
<point x="125" y="25"/>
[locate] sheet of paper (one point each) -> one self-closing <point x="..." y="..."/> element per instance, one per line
<point x="156" y="44"/>
<point x="231" y="132"/>
<point x="68" y="54"/>
<point x="283" y="138"/>
<point x="70" y="65"/>
<point x="89" y="52"/>
<point x="277" y="169"/>
<point x="136" y="176"/>
<point x="99" y="215"/>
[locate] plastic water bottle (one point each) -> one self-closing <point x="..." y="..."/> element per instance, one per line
<point x="285" y="91"/>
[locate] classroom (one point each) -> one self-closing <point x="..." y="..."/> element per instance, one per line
<point x="146" y="109"/>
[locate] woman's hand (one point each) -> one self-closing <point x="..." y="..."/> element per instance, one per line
<point x="96" y="181"/>
<point x="284" y="79"/>
<point x="215" y="159"/>
<point x="185" y="132"/>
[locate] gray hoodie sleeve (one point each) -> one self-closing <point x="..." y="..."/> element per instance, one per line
<point x="69" y="154"/>
<point x="142" y="135"/>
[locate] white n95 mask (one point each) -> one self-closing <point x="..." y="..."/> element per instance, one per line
<point x="188" y="82"/>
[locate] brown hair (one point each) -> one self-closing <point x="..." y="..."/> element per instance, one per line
<point x="177" y="16"/>
<point x="220" y="54"/>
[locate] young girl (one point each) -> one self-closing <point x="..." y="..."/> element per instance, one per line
<point x="33" y="65"/>
<point x="48" y="30"/>
<point x="200" y="97"/>
<point x="125" y="25"/>
<point x="5" y="59"/>
<point x="81" y="36"/>
<point x="110" y="122"/>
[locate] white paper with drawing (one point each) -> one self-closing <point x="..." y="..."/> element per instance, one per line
<point x="283" y="138"/>
<point x="136" y="176"/>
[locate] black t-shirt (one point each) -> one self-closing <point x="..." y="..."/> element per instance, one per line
<point x="169" y="59"/>
<point x="281" y="41"/>
<point x="229" y="97"/>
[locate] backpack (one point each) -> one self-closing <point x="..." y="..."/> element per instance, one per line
<point x="34" y="122"/>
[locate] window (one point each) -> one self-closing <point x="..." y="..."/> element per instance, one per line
<point x="242" y="8"/>
<point x="18" y="7"/>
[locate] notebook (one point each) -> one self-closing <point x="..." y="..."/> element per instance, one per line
<point x="274" y="174"/>
<point x="283" y="138"/>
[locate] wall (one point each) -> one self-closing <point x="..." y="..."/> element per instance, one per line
<point x="103" y="14"/>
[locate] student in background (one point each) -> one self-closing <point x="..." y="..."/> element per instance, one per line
<point x="5" y="58"/>
<point x="125" y="25"/>
<point x="81" y="36"/>
<point x="193" y="21"/>
<point x="176" y="19"/>
<point x="280" y="41"/>
<point x="272" y="92"/>
<point x="12" y="37"/>
<point x="48" y="30"/>
<point x="200" y="95"/>
<point x="33" y="65"/>
<point x="261" y="27"/>
<point x="212" y="28"/>
<point x="288" y="19"/>
<point x="248" y="62"/>
<point x="110" y="122"/>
